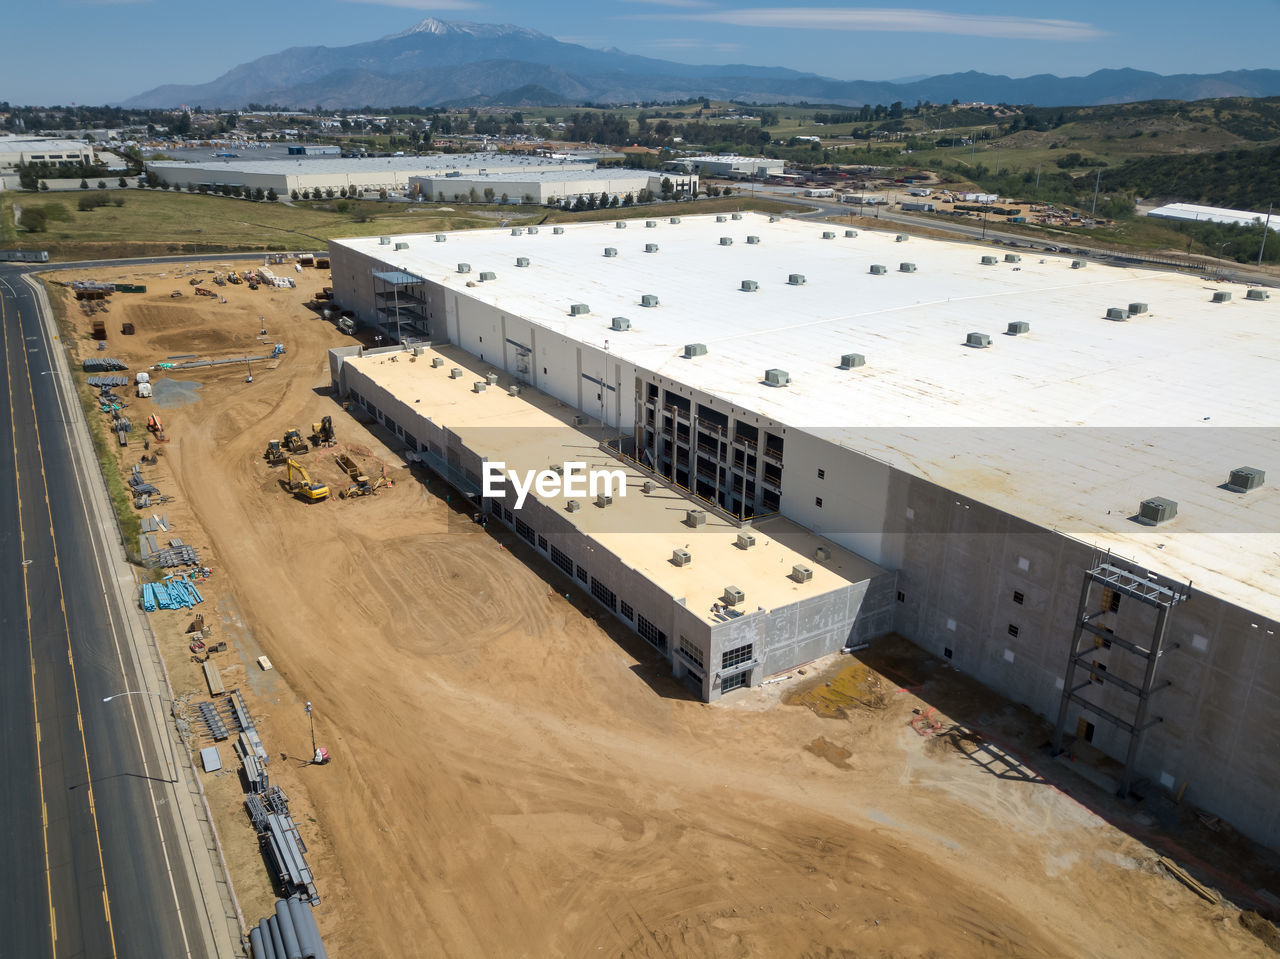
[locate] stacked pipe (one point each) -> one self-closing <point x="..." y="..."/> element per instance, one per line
<point x="290" y="934"/>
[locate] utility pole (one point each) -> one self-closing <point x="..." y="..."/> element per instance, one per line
<point x="1266" y="226"/>
<point x="1097" y="181"/>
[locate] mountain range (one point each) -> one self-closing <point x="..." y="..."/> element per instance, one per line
<point x="438" y="63"/>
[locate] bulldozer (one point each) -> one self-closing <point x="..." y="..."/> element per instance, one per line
<point x="293" y="442"/>
<point x="322" y="432"/>
<point x="299" y="483"/>
<point x="274" y="453"/>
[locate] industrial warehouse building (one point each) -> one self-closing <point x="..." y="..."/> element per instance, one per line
<point x="22" y="150"/>
<point x="1056" y="470"/>
<point x="551" y="186"/>
<point x="366" y="173"/>
<point x="730" y="166"/>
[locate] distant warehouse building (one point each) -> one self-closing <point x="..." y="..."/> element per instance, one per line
<point x="314" y="150"/>
<point x="25" y="150"/>
<point x="1212" y="214"/>
<point x="731" y="167"/>
<point x="550" y="186"/>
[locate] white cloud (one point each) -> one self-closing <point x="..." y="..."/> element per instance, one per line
<point x="901" y="21"/>
<point x="424" y="4"/>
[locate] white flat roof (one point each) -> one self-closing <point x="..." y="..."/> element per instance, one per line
<point x="529" y="432"/>
<point x="731" y="158"/>
<point x="406" y="164"/>
<point x="555" y="175"/>
<point x="1212" y="214"/>
<point x="1069" y="426"/>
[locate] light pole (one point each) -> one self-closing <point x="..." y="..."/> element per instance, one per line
<point x="313" y="730"/>
<point x="1222" y="247"/>
<point x="146" y="692"/>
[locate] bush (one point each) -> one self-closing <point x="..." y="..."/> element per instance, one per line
<point x="84" y="184"/>
<point x="33" y="219"/>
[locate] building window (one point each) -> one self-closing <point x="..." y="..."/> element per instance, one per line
<point x="542" y="543"/>
<point x="627" y="611"/>
<point x="822" y="474"/>
<point x="736" y="681"/>
<point x="604" y="594"/>
<point x="817" y="501"/>
<point x="524" y="529"/>
<point x="1013" y="630"/>
<point x="735" y="657"/>
<point x="651" y="633"/>
<point x="582" y="573"/>
<point x="692" y="651"/>
<point x="1018" y="597"/>
<point x="902" y="597"/>
<point x="561" y="560"/>
<point x="946" y="651"/>
<point x="1113" y="602"/>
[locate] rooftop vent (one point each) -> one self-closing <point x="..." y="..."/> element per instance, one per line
<point x="695" y="517"/>
<point x="1258" y="295"/>
<point x="721" y="219"/>
<point x="735" y="216"/>
<point x="796" y="279"/>
<point x="906" y="267"/>
<point x="1245" y="478"/>
<point x="878" y="269"/>
<point x="464" y="267"/>
<point x="557" y="230"/>
<point x="733" y="596"/>
<point x="753" y="240"/>
<point x="651" y="248"/>
<point x="491" y="379"/>
<point x="479" y="386"/>
<point x="828" y="235"/>
<point x="455" y="373"/>
<point x="979" y="340"/>
<point x="579" y="420"/>
<point x="1013" y="257"/>
<point x="1018" y="327"/>
<point x="726" y="241"/>
<point x="801" y="573"/>
<point x="1221" y="296"/>
<point x="850" y="233"/>
<point x="603" y="500"/>
<point x="517" y="231"/>
<point x="1137" y="308"/>
<point x="621" y="323"/>
<point x="577" y="309"/>
<point x="513" y="389"/>
<point x="440" y="238"/>
<point x="989" y="261"/>
<point x="749" y="286"/>
<point x="849" y="361"/>
<point x="648" y="300"/>
<point x="1157" y="510"/>
<point x="900" y="238"/>
<point x="522" y="261"/>
<point x="572" y="506"/>
<point x="695" y="349"/>
<point x="402" y="246"/>
<point x="437" y="361"/>
<point x="650" y="224"/>
<point x="1116" y="313"/>
<point x="384" y="241"/>
<point x="620" y="225"/>
<point x="777" y="377"/>
<point x="746" y="540"/>
<point x="649" y="486"/>
<point x="610" y="251"/>
<point x="488" y="275"/>
<point x="681" y="557"/>
<point x="774" y="219"/>
<point x="532" y="231"/>
<point x="1077" y="264"/>
<point x="674" y="219"/>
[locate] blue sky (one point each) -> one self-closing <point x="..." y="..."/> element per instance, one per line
<point x="94" y="51"/>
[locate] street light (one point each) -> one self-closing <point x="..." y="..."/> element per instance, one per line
<point x="146" y="692"/>
<point x="313" y="729"/>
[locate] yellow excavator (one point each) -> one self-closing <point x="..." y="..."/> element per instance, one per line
<point x="300" y="485"/>
<point x="322" y="432"/>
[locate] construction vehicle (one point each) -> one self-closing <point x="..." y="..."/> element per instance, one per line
<point x="322" y="432"/>
<point x="274" y="454"/>
<point x="364" y="487"/>
<point x="347" y="325"/>
<point x="293" y="442"/>
<point x="219" y="279"/>
<point x="205" y="291"/>
<point x="234" y="277"/>
<point x="175" y="294"/>
<point x="155" y="426"/>
<point x="299" y="483"/>
<point x="351" y="468"/>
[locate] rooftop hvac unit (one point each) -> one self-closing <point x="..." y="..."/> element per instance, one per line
<point x="900" y="238"/>
<point x="749" y="286"/>
<point x="777" y="377"/>
<point x="849" y="361"/>
<point x="522" y="261"/>
<point x="796" y="279"/>
<point x="906" y="267"/>
<point x="440" y="238"/>
<point x="572" y="506"/>
<point x="488" y="275"/>
<point x="610" y="251"/>
<point x="455" y="373"/>
<point x="850" y="234"/>
<point x="828" y="235"/>
<point x="384" y="241"/>
<point x="979" y="340"/>
<point x="532" y="231"/>
<point x="695" y="517"/>
<point x="1258" y="295"/>
<point x="1137" y="308"/>
<point x="674" y="219"/>
<point x="603" y="500"/>
<point x="419" y="351"/>
<point x="695" y="349"/>
<point x="989" y="261"/>
<point x="1221" y="296"/>
<point x="1245" y="478"/>
<point x="726" y="241"/>
<point x="1013" y="257"/>
<point x="822" y="554"/>
<point x="517" y="231"/>
<point x="878" y="269"/>
<point x="753" y="240"/>
<point x="1115" y="313"/>
<point x="650" y="224"/>
<point x="1077" y="264"/>
<point x="437" y="361"/>
<point x="513" y="390"/>
<point x="557" y="230"/>
<point x="479" y="386"/>
<point x="774" y="219"/>
<point x="735" y="216"/>
<point x="681" y="557"/>
<point x="1157" y="510"/>
<point x="579" y="420"/>
<point x="401" y="246"/>
<point x="801" y="573"/>
<point x="651" y="248"/>
<point x="578" y="309"/>
<point x="648" y="300"/>
<point x="491" y="379"/>
<point x="721" y="219"/>
<point x="1018" y="327"/>
<point x="621" y="323"/>
<point x="464" y="267"/>
<point x="746" y="540"/>
<point x="557" y="468"/>
<point x="649" y="486"/>
<point x="620" y="225"/>
<point x="733" y="596"/>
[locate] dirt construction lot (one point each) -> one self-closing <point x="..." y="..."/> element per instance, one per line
<point x="515" y="776"/>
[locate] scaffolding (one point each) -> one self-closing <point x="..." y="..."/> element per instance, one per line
<point x="401" y="305"/>
<point x="1113" y="582"/>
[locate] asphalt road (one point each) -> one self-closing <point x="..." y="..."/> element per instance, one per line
<point x="90" y="841"/>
